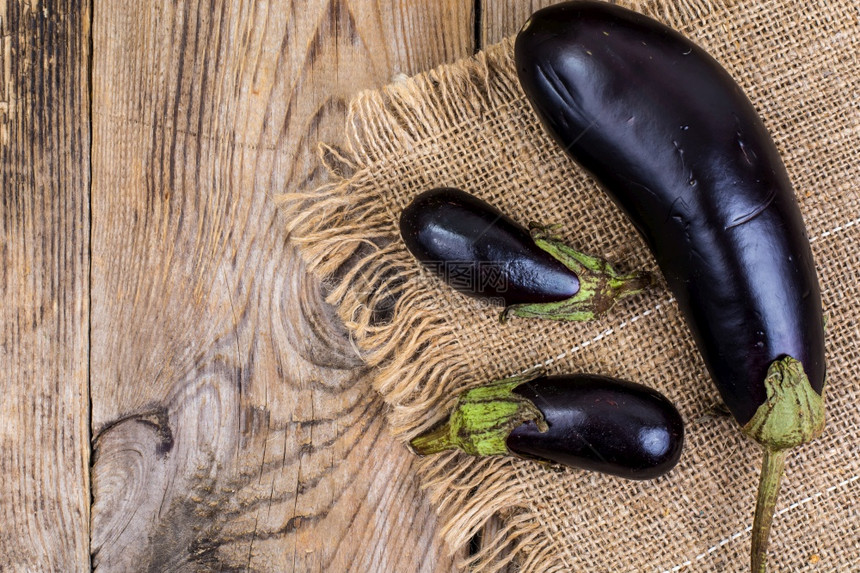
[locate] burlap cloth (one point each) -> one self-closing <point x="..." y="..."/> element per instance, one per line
<point x="468" y="125"/>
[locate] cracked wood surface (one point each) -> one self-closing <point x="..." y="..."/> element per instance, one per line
<point x="161" y="336"/>
<point x="233" y="425"/>
<point x="44" y="223"/>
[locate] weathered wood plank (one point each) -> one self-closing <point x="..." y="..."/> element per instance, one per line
<point x="233" y="426"/>
<point x="503" y="18"/>
<point x="44" y="277"/>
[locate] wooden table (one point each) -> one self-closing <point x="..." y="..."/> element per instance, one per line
<point x="175" y="394"/>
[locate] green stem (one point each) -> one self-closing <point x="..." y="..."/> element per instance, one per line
<point x="628" y="285"/>
<point x="768" y="490"/>
<point x="436" y="440"/>
<point x="481" y="420"/>
<point x="600" y="284"/>
<point x="791" y="415"/>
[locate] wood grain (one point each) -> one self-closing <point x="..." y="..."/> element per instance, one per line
<point x="503" y="18"/>
<point x="44" y="228"/>
<point x="233" y="425"/>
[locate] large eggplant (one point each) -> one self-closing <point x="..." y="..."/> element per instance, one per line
<point x="483" y="253"/>
<point x="679" y="147"/>
<point x="583" y="421"/>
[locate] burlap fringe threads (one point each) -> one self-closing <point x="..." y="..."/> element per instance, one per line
<point x="350" y="240"/>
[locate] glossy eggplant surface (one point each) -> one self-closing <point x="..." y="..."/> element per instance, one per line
<point x="600" y="424"/>
<point x="678" y="146"/>
<point x="483" y="253"/>
<point x="582" y="421"/>
<point x="480" y="251"/>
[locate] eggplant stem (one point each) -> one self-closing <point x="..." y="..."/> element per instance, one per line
<point x="772" y="467"/>
<point x="482" y="418"/>
<point x="435" y="440"/>
<point x="600" y="284"/>
<point x="631" y="284"/>
<point x="792" y="414"/>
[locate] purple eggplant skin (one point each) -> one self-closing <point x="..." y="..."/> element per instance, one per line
<point x="480" y="251"/>
<point x="678" y="146"/>
<point x="600" y="424"/>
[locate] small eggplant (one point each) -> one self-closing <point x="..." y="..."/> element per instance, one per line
<point x="582" y="421"/>
<point x="483" y="253"/>
<point x="678" y="146"/>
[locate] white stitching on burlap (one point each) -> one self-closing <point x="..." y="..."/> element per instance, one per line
<point x="747" y="529"/>
<point x="835" y="230"/>
<point x="656" y="308"/>
<point x="600" y="336"/>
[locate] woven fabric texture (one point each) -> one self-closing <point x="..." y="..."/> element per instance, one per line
<point x="468" y="125"/>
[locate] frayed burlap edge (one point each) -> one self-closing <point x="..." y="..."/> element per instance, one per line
<point x="349" y="240"/>
<point x="348" y="237"/>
